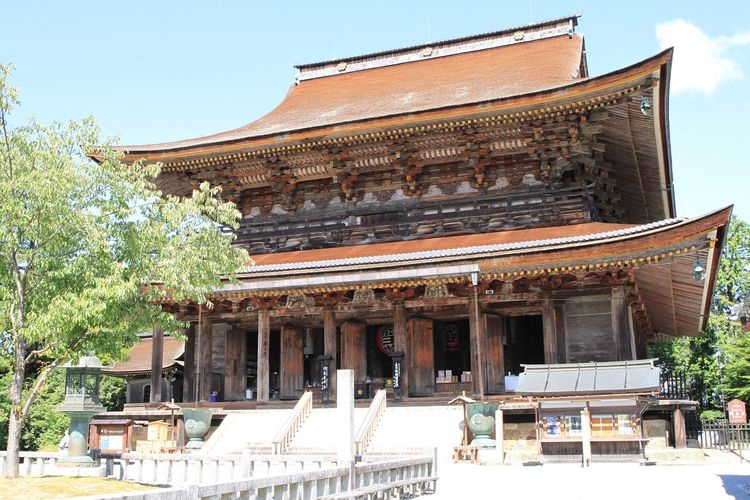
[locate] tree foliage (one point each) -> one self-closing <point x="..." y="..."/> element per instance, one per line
<point x="89" y="248"/>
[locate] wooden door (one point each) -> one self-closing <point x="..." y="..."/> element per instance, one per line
<point x="421" y="361"/>
<point x="494" y="326"/>
<point x="235" y="352"/>
<point x="354" y="349"/>
<point x="291" y="383"/>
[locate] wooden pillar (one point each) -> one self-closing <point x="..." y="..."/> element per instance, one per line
<point x="235" y="361"/>
<point x="329" y="343"/>
<point x="264" y="346"/>
<point x="562" y="350"/>
<point x="291" y="382"/>
<point x="188" y="381"/>
<point x="354" y="349"/>
<point x="621" y="325"/>
<point x="157" y="355"/>
<point x="494" y="328"/>
<point x="680" y="435"/>
<point x="204" y="359"/>
<point x="549" y="325"/>
<point x="478" y="339"/>
<point x="400" y="341"/>
<point x="421" y="363"/>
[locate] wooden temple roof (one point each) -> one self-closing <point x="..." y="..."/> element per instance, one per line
<point x="139" y="358"/>
<point x="660" y="255"/>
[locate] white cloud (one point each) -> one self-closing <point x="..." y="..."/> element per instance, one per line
<point x="701" y="62"/>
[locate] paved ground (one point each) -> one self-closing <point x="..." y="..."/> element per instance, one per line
<point x="610" y="481"/>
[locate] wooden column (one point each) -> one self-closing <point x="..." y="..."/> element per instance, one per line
<point x="478" y="339"/>
<point x="204" y="359"/>
<point x="235" y="361"/>
<point x="421" y="363"/>
<point x="621" y="325"/>
<point x="400" y="341"/>
<point x="562" y="350"/>
<point x="330" y="346"/>
<point x="157" y="355"/>
<point x="291" y="382"/>
<point x="264" y="342"/>
<point x="354" y="349"/>
<point x="494" y="327"/>
<point x="549" y="325"/>
<point x="188" y="381"/>
<point x="680" y="435"/>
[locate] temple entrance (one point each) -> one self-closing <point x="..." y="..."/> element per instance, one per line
<point x="524" y="342"/>
<point x="379" y="347"/>
<point x="452" y="355"/>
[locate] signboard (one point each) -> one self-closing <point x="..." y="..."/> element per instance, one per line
<point x="737" y="412"/>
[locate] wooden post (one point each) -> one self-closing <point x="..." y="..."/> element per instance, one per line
<point x="562" y="350"/>
<point x="205" y="358"/>
<point x="549" y="326"/>
<point x="157" y="355"/>
<point x="264" y="342"/>
<point x="400" y="343"/>
<point x="620" y="325"/>
<point x="235" y="361"/>
<point x="291" y="383"/>
<point x="329" y="342"/>
<point x="188" y="381"/>
<point x="586" y="437"/>
<point x="494" y="329"/>
<point x="421" y="363"/>
<point x="354" y="349"/>
<point x="478" y="339"/>
<point x="680" y="436"/>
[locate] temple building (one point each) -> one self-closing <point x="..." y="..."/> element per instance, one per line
<point x="477" y="205"/>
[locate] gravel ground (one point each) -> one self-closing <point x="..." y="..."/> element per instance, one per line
<point x="610" y="481"/>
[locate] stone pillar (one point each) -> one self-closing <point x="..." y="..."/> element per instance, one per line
<point x="400" y="343"/>
<point x="235" y="365"/>
<point x="157" y="355"/>
<point x="188" y="381"/>
<point x="586" y="437"/>
<point x="478" y="341"/>
<point x="621" y="325"/>
<point x="500" y="435"/>
<point x="264" y="342"/>
<point x="204" y="358"/>
<point x="680" y="435"/>
<point x="549" y="326"/>
<point x="344" y="434"/>
<point x="330" y="346"/>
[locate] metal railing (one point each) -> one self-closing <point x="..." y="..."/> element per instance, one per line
<point x="370" y="423"/>
<point x="287" y="432"/>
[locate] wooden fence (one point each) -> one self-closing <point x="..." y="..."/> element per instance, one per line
<point x="722" y="435"/>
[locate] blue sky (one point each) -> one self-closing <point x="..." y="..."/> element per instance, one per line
<point x="159" y="71"/>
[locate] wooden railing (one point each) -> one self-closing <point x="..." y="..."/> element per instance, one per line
<point x="287" y="432"/>
<point x="725" y="436"/>
<point x="370" y="424"/>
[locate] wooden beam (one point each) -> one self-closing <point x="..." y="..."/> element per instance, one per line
<point x="330" y="346"/>
<point x="188" y="382"/>
<point x="205" y="358"/>
<point x="264" y="341"/>
<point x="478" y="339"/>
<point x="549" y="326"/>
<point x="157" y="354"/>
<point x="621" y="324"/>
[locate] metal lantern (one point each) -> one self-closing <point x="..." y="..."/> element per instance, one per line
<point x="80" y="404"/>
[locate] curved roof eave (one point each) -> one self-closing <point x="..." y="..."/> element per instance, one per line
<point x="228" y="142"/>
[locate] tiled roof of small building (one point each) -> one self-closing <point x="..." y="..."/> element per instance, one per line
<point x="139" y="359"/>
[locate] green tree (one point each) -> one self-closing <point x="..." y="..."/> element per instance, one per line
<point x="89" y="248"/>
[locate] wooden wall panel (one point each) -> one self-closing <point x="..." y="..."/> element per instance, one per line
<point x="494" y="326"/>
<point x="354" y="349"/>
<point x="421" y="362"/>
<point x="588" y="330"/>
<point x="235" y="354"/>
<point x="291" y="376"/>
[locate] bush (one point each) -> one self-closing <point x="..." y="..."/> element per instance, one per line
<point x="708" y="415"/>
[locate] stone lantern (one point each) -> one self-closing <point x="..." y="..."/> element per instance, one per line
<point x="80" y="404"/>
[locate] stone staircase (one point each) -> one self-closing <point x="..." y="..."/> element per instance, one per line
<point x="246" y="430"/>
<point x="403" y="428"/>
<point x="315" y="435"/>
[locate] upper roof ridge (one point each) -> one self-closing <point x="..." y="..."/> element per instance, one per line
<point x="508" y="36"/>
